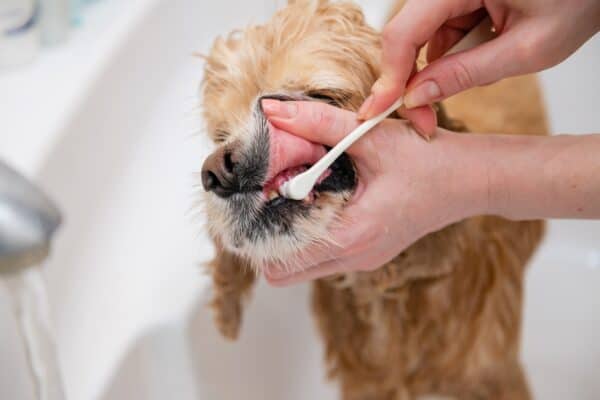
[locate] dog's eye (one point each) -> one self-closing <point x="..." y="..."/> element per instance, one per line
<point x="321" y="96"/>
<point x="335" y="97"/>
<point x="220" y="136"/>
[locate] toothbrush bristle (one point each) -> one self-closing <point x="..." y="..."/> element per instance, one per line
<point x="284" y="190"/>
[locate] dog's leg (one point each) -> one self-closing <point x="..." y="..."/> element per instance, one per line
<point x="232" y="282"/>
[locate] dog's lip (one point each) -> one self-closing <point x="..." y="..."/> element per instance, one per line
<point x="288" y="151"/>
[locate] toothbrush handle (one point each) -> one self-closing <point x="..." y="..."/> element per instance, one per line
<point x="320" y="166"/>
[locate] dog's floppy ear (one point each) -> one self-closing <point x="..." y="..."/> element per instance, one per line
<point x="232" y="281"/>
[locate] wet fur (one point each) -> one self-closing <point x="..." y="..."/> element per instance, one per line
<point x="444" y="317"/>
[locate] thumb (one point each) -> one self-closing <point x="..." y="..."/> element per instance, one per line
<point x="315" y="121"/>
<point x="455" y="73"/>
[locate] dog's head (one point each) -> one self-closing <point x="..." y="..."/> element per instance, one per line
<point x="312" y="49"/>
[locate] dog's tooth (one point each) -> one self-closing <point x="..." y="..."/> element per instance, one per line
<point x="273" y="194"/>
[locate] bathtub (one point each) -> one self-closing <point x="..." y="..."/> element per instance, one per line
<point x="125" y="281"/>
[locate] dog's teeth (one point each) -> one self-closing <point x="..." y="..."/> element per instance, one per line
<point x="310" y="198"/>
<point x="273" y="194"/>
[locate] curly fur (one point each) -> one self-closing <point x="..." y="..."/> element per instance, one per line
<point x="444" y="316"/>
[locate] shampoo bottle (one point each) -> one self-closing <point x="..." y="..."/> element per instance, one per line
<point x="19" y="31"/>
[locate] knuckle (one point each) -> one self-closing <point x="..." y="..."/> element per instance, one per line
<point x="371" y="267"/>
<point x="370" y="234"/>
<point x="322" y="119"/>
<point x="463" y="76"/>
<point x="315" y="113"/>
<point x="523" y="49"/>
<point x="369" y="147"/>
<point x="275" y="283"/>
<point x="385" y="134"/>
<point x="270" y="278"/>
<point x="527" y="53"/>
<point x="389" y="34"/>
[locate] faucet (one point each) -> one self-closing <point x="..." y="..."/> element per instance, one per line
<point x="28" y="220"/>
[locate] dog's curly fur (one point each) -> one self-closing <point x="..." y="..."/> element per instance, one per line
<point x="444" y="316"/>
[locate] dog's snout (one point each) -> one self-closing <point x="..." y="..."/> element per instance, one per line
<point x="218" y="174"/>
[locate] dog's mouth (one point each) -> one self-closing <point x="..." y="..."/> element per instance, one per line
<point x="290" y="156"/>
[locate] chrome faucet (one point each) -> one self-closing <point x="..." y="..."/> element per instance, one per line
<point x="28" y="220"/>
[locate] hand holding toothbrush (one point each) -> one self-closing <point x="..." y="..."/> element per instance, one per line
<point x="532" y="35"/>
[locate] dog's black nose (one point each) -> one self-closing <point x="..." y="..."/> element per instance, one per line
<point x="218" y="173"/>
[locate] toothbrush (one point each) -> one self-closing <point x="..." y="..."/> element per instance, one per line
<point x="300" y="186"/>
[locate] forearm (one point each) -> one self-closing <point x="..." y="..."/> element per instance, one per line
<point x="530" y="177"/>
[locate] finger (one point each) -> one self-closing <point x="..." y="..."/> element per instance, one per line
<point x="347" y="240"/>
<point x="452" y="74"/>
<point x="309" y="257"/>
<point x="315" y="121"/>
<point x="318" y="271"/>
<point x="444" y="39"/>
<point x="403" y="36"/>
<point x="367" y="261"/>
<point x="423" y="119"/>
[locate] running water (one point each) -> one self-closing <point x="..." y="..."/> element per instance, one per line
<point x="27" y="290"/>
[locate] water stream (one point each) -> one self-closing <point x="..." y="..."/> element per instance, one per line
<point x="27" y="290"/>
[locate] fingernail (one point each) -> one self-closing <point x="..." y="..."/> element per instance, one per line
<point x="270" y="106"/>
<point x="277" y="276"/>
<point x="364" y="109"/>
<point x="280" y="109"/>
<point x="426" y="93"/>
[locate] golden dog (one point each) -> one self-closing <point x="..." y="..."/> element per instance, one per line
<point x="442" y="318"/>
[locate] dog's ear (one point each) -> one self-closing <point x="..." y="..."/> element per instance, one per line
<point x="233" y="279"/>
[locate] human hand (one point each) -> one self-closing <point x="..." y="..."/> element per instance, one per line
<point x="532" y="35"/>
<point x="407" y="188"/>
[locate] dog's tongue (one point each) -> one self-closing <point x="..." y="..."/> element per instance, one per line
<point x="288" y="151"/>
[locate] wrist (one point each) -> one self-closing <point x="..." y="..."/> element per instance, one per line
<point x="515" y="184"/>
<point x="466" y="158"/>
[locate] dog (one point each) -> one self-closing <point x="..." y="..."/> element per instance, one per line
<point x="444" y="316"/>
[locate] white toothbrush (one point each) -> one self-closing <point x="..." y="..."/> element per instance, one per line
<point x="300" y="186"/>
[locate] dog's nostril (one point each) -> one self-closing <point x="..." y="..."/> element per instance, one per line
<point x="210" y="180"/>
<point x="218" y="174"/>
<point x="228" y="162"/>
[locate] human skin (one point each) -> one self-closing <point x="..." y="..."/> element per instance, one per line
<point x="532" y="35"/>
<point x="409" y="187"/>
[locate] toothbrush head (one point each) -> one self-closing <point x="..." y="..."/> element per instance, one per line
<point x="295" y="189"/>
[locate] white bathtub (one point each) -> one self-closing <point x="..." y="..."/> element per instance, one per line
<point x="125" y="282"/>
